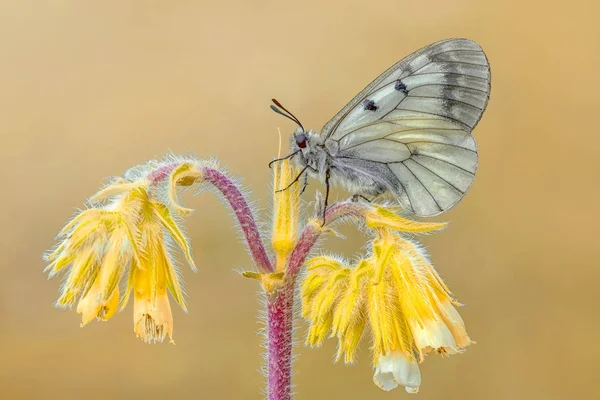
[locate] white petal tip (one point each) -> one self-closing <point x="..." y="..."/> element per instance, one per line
<point x="396" y="369"/>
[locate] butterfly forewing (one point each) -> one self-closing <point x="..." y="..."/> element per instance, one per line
<point x="414" y="123"/>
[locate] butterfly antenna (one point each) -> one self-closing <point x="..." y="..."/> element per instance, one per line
<point x="289" y="115"/>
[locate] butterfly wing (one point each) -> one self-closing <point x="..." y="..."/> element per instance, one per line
<point x="415" y="121"/>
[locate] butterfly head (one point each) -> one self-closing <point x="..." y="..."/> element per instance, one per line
<point x="305" y="142"/>
<point x="301" y="138"/>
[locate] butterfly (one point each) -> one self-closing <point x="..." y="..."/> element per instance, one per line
<point x="408" y="133"/>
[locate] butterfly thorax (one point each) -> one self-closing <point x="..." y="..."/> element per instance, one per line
<point x="316" y="155"/>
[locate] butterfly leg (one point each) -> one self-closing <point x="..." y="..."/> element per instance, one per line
<point x="294" y="181"/>
<point x="327" y="176"/>
<point x="304" y="185"/>
<point x="284" y="158"/>
<point x="356" y="197"/>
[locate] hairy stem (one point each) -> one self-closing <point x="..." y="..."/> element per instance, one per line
<point x="280" y="323"/>
<point x="244" y="216"/>
<point x="313" y="231"/>
<point x="238" y="204"/>
<point x="280" y="305"/>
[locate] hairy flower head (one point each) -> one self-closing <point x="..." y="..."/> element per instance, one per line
<point x="396" y="292"/>
<point x="126" y="236"/>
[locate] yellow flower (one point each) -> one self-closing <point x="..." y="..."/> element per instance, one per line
<point x="286" y="208"/>
<point x="128" y="239"/>
<point x="396" y="292"/>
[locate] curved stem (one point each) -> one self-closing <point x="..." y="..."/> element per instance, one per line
<point x="313" y="231"/>
<point x="239" y="205"/>
<point x="244" y="215"/>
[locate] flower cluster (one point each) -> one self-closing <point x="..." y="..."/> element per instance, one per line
<point x="395" y="292"/>
<point x="127" y="234"/>
<point x="124" y="244"/>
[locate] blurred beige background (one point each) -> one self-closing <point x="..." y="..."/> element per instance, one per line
<point x="88" y="89"/>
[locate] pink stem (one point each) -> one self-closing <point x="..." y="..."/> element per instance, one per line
<point x="311" y="233"/>
<point x="280" y="322"/>
<point x="239" y="205"/>
<point x="280" y="306"/>
<point x="244" y="215"/>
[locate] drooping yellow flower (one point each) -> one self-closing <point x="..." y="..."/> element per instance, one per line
<point x="396" y="292"/>
<point x="127" y="238"/>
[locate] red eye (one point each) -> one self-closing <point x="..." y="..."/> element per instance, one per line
<point x="301" y="140"/>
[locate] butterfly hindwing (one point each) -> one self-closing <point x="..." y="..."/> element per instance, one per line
<point x="427" y="163"/>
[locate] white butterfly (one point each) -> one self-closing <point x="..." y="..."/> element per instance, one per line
<point x="408" y="133"/>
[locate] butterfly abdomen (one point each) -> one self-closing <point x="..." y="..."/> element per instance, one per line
<point x="362" y="177"/>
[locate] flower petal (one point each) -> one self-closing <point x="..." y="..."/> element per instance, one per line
<point x="92" y="306"/>
<point x="184" y="175"/>
<point x="382" y="217"/>
<point x="119" y="187"/>
<point x="434" y="335"/>
<point x="167" y="221"/>
<point x="396" y="369"/>
<point x="456" y="325"/>
<point x="153" y="322"/>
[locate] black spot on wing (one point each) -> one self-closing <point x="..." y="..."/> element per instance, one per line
<point x="401" y="87"/>
<point x="369" y="105"/>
